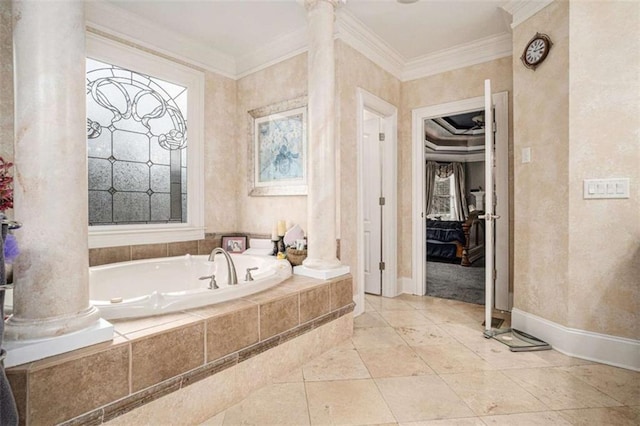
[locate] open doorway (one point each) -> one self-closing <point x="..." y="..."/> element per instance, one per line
<point x="471" y="109"/>
<point x="454" y="198"/>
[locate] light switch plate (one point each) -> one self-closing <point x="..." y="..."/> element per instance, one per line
<point x="606" y="188"/>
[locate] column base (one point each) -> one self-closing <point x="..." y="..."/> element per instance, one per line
<point x="23" y="351"/>
<point x="321" y="274"/>
<point x="23" y="329"/>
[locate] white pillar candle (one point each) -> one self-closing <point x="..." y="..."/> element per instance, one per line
<point x="282" y="227"/>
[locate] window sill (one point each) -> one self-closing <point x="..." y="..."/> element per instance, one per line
<point x="114" y="236"/>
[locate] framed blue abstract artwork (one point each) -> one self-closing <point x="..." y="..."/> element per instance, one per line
<point x="279" y="149"/>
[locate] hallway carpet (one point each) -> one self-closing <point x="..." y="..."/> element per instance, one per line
<point x="452" y="281"/>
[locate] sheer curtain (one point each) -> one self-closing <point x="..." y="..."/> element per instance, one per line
<point x="462" y="210"/>
<point x="430" y="183"/>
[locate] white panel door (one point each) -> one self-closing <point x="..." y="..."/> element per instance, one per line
<point x="489" y="215"/>
<point x="372" y="211"/>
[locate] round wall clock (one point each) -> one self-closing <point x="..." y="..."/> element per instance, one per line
<point x="536" y="51"/>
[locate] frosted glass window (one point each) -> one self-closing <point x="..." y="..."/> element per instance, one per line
<point x="136" y="143"/>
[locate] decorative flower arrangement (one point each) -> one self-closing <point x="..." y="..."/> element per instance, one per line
<point x="6" y="187"/>
<point x="11" y="250"/>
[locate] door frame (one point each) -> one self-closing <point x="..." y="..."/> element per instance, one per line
<point x="389" y="115"/>
<point x="502" y="299"/>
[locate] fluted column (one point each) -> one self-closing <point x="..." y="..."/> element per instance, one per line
<point x="321" y="198"/>
<point x="51" y="296"/>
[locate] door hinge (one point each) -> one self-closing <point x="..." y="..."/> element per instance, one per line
<point x="381" y="137"/>
<point x="494" y="127"/>
<point x="381" y="266"/>
<point x="495" y="274"/>
<point x="381" y="201"/>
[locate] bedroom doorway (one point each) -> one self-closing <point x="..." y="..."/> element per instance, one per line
<point x="445" y="152"/>
<point x="455" y="182"/>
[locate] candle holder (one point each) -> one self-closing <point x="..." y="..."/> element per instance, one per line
<point x="278" y="245"/>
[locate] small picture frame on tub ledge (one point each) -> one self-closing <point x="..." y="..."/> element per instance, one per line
<point x="233" y="244"/>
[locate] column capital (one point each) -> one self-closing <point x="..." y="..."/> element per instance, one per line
<point x="310" y="4"/>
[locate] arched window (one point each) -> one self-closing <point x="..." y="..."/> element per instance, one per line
<point x="144" y="147"/>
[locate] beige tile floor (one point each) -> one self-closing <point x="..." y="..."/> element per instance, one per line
<point x="423" y="361"/>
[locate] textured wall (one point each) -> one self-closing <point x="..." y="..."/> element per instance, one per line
<point x="576" y="260"/>
<point x="221" y="148"/>
<point x="6" y="82"/>
<point x="353" y="71"/>
<point x="446" y="87"/>
<point x="541" y="205"/>
<point x="604" y="141"/>
<point x="281" y="82"/>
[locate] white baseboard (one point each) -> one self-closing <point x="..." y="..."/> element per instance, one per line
<point x="406" y="286"/>
<point x="603" y="348"/>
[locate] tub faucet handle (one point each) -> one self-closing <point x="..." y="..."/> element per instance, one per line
<point x="248" y="277"/>
<point x="212" y="284"/>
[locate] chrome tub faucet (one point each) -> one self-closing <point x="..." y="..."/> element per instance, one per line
<point x="233" y="277"/>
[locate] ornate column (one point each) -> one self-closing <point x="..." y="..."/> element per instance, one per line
<point x="51" y="294"/>
<point x="321" y="199"/>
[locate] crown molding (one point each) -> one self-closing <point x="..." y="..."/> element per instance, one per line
<point x="282" y="48"/>
<point x="353" y="32"/>
<point x="461" y="158"/>
<point x="141" y="32"/>
<point x="476" y="52"/>
<point x="144" y="33"/>
<point x="521" y="10"/>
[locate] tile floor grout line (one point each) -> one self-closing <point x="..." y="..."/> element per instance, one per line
<point x="306" y="397"/>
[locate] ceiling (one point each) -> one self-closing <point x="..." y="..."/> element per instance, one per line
<point x="239" y="29"/>
<point x="455" y="134"/>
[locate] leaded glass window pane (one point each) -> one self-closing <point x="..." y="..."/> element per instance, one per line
<point x="136" y="143"/>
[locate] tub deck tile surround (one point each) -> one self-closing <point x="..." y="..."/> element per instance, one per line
<point x="149" y="251"/>
<point x="314" y="302"/>
<point x="232" y="331"/>
<point x="154" y="357"/>
<point x="104" y="255"/>
<point x="157" y="358"/>
<point x="279" y="316"/>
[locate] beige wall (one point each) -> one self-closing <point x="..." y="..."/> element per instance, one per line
<point x="446" y="87"/>
<point x="221" y="148"/>
<point x="576" y="260"/>
<point x="541" y="206"/>
<point x="6" y="82"/>
<point x="353" y="71"/>
<point x="604" y="141"/>
<point x="281" y="82"/>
